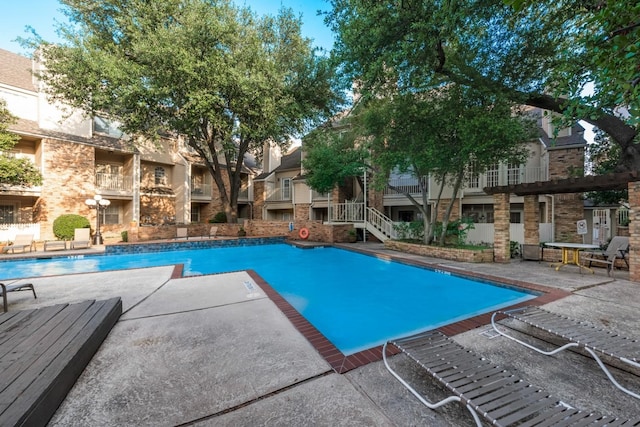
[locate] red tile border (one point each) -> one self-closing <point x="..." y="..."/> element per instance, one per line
<point x="341" y="363"/>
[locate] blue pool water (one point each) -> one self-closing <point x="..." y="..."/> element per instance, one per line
<point x="356" y="301"/>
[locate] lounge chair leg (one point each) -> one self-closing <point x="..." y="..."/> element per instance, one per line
<point x="420" y="397"/>
<point x="606" y="371"/>
<point x="559" y="349"/>
<point x="546" y="353"/>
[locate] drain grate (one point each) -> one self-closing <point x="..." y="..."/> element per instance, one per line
<point x="489" y="333"/>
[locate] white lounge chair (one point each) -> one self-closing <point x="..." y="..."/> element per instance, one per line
<point x="81" y="238"/>
<point x="21" y="242"/>
<point x="213" y="232"/>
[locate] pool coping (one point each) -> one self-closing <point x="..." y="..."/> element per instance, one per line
<point x="342" y="363"/>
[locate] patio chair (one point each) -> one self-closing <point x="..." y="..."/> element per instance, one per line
<point x="81" y="238"/>
<point x="21" y="242"/>
<point x="578" y="334"/>
<point x="55" y="245"/>
<point x="609" y="261"/>
<point x="182" y="233"/>
<point x="4" y="289"/>
<point x="618" y="246"/>
<point x="213" y="231"/>
<point x="487" y="390"/>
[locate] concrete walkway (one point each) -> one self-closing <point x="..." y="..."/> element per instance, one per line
<point x="214" y="350"/>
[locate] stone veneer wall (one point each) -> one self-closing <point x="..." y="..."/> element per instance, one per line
<point x="318" y="231"/>
<point x="569" y="208"/>
<point x="531" y="220"/>
<point x="68" y="180"/>
<point x="455" y="254"/>
<point x="455" y="211"/>
<point x="502" y="227"/>
<point x="634" y="231"/>
<point x="302" y="212"/>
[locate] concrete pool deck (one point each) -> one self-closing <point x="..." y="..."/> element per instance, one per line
<point x="214" y="350"/>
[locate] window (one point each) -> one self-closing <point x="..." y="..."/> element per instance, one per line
<point x="492" y="176"/>
<point x="107" y="127"/>
<point x="513" y="174"/>
<point x="159" y="175"/>
<point x="515" y="217"/>
<point x="286" y="189"/>
<point x="195" y="213"/>
<point x="7" y="214"/>
<point x="110" y="215"/>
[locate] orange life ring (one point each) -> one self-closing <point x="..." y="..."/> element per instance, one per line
<point x="304" y="233"/>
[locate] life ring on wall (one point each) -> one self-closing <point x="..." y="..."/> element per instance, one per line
<point x="304" y="233"/>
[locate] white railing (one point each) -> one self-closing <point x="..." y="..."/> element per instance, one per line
<point x="623" y="215"/>
<point x="114" y="182"/>
<point x="483" y="233"/>
<point x="8" y="232"/>
<point x="346" y="212"/>
<point x="378" y="223"/>
<point x="507" y="176"/>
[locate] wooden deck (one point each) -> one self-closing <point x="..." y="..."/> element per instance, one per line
<point x="44" y="351"/>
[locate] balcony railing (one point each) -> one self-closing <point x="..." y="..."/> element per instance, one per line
<point x="114" y="182"/>
<point x="510" y="176"/>
<point x="405" y="185"/>
<point x="277" y="195"/>
<point x="201" y="190"/>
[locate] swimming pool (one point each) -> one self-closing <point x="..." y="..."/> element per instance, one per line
<point x="356" y="301"/>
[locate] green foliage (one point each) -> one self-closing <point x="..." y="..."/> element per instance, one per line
<point x="514" y="249"/>
<point x="604" y="157"/>
<point x="456" y="230"/>
<point x="124" y="235"/>
<point x="219" y="218"/>
<point x="543" y="54"/>
<point x="64" y="226"/>
<point x="14" y="171"/>
<point x="413" y="230"/>
<point x="216" y="73"/>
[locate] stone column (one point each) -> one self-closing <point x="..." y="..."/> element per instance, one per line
<point x="634" y="231"/>
<point x="501" y="233"/>
<point x="531" y="220"/>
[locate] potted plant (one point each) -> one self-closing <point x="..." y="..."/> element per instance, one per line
<point x="353" y="235"/>
<point x="242" y="232"/>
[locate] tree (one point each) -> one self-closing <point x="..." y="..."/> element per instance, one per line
<point x="218" y="76"/>
<point x="441" y="133"/>
<point x="539" y="55"/>
<point x="603" y="157"/>
<point x="13" y="170"/>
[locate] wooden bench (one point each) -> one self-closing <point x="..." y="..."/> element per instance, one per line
<point x="44" y="351"/>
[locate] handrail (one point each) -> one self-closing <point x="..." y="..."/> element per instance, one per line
<point x="380" y="222"/>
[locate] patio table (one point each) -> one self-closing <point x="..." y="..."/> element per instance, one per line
<point x="572" y="249"/>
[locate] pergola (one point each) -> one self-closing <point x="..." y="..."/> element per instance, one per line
<point x="530" y="191"/>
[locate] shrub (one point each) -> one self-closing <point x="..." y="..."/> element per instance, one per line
<point x="64" y="226"/>
<point x="219" y="218"/>
<point x="125" y="236"/>
<point x="410" y="230"/>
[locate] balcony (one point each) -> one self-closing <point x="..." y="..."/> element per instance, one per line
<point x="409" y="185"/>
<point x="114" y="184"/>
<point x="505" y="176"/>
<point x="201" y="192"/>
<point x="277" y="195"/>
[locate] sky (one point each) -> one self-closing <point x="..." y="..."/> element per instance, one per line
<point x="43" y="14"/>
